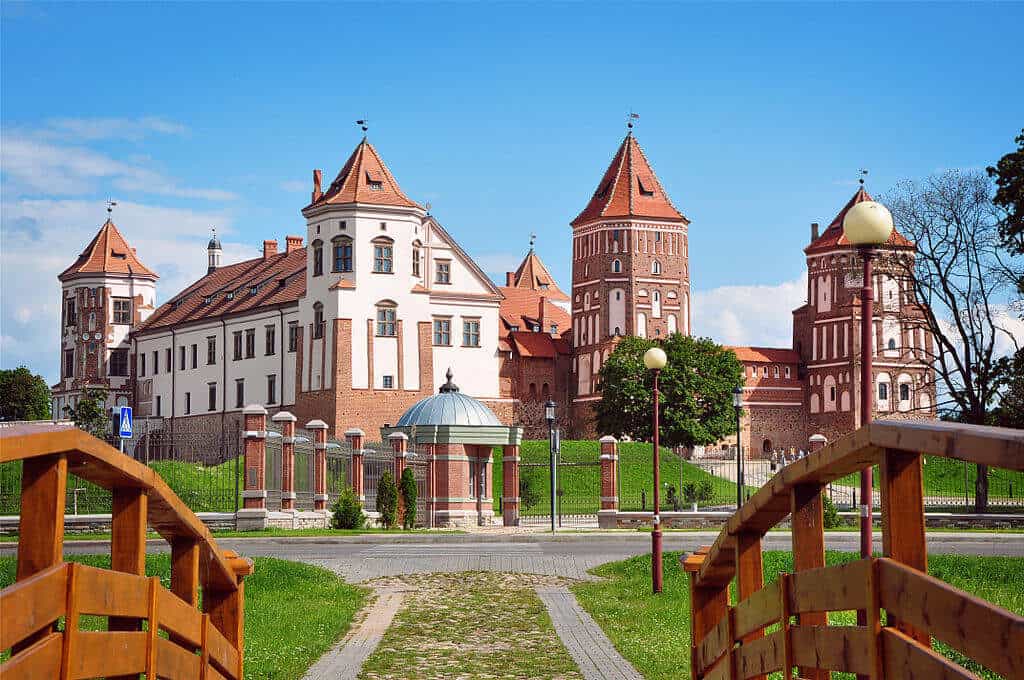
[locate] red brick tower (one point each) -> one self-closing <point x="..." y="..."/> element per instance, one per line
<point x="630" y="270"/>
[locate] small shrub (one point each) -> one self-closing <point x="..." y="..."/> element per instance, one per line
<point x="387" y="500"/>
<point x="347" y="511"/>
<point x="831" y="515"/>
<point x="698" y="492"/>
<point x="529" y="492"/>
<point x="673" y="499"/>
<point x="408" y="488"/>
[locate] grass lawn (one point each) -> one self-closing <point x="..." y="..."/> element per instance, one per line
<point x="293" y="612"/>
<point x="653" y="633"/>
<point x="948" y="477"/>
<point x="271" y="532"/>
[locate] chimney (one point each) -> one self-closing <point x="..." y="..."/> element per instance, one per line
<point x="318" y="177"/>
<point x="540" y="313"/>
<point x="269" y="249"/>
<point x="510" y="279"/>
<point x="814" y="232"/>
<point x="292" y="243"/>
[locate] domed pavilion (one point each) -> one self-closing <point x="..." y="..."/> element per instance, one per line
<point x="453" y="435"/>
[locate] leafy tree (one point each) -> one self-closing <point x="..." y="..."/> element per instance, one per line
<point x="1011" y="408"/>
<point x="347" y="511"/>
<point x="387" y="500"/>
<point x="90" y="413"/>
<point x="1009" y="177"/>
<point x="23" y="396"/>
<point x="408" y="488"/>
<point x="696" y="391"/>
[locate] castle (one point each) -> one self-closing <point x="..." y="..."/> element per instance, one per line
<point x="359" y="318"/>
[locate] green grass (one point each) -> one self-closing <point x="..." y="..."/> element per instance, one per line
<point x="653" y="632"/>
<point x="581" y="486"/>
<point x="293" y="612"/>
<point x="950" y="478"/>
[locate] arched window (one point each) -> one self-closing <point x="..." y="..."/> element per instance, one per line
<point x="617" y="266"/>
<point x="545" y="392"/>
<point x="318" y="257"/>
<point x="386" y="315"/>
<point x="533" y="391"/>
<point x="416" y="245"/>
<point x="383" y="255"/>
<point x="655" y="267"/>
<point x="318" y="320"/>
<point x="342" y="254"/>
<point x="586" y="302"/>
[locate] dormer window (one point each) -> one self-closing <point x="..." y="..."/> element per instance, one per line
<point x="208" y="299"/>
<point x="374" y="181"/>
<point x="230" y="295"/>
<point x="253" y="290"/>
<point x="375" y="186"/>
<point x="645" y="184"/>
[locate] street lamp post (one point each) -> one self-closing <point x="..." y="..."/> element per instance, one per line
<point x="866" y="225"/>
<point x="655" y="360"/>
<point x="549" y="415"/>
<point x="737" y="404"/>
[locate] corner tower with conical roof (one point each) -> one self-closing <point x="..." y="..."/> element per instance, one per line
<point x="104" y="294"/>
<point x="630" y="268"/>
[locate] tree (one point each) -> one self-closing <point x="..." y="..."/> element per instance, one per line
<point x="696" y="391"/>
<point x="387" y="500"/>
<point x="958" y="279"/>
<point x="1011" y="407"/>
<point x="23" y="396"/>
<point x="408" y="488"/>
<point x="90" y="413"/>
<point x="347" y="511"/>
<point x="1009" y="178"/>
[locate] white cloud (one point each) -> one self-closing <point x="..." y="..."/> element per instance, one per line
<point x="749" y="315"/>
<point x="133" y="129"/>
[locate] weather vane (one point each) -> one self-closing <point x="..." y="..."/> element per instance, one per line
<point x="533" y="239"/>
<point x="863" y="174"/>
<point x="630" y="118"/>
<point x="364" y="124"/>
<point x="110" y="206"/>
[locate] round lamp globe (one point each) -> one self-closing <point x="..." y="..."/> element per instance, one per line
<point x="655" y="359"/>
<point x="867" y="223"/>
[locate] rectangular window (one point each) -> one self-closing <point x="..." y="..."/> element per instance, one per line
<point x="118" y="363"/>
<point x="239" y="392"/>
<point x="122" y="311"/>
<point x="471" y="332"/>
<point x="472" y="477"/>
<point x="250" y="343"/>
<point x="318" y="259"/>
<point x="415" y="261"/>
<point x="389" y="382"/>
<point x="168" y="360"/>
<point x="195" y="355"/>
<point x="444" y="272"/>
<point x="788" y="374"/>
<point x="236" y="338"/>
<point x="70" y="318"/>
<point x="386" y="322"/>
<point x="442" y="332"/>
<point x="657" y="237"/>
<point x="343" y="255"/>
<point x="383" y="259"/>
<point x="211" y="396"/>
<point x="142" y="364"/>
<point x="188" y="403"/>
<point x="156" y="363"/>
<point x="271" y="389"/>
<point x="904" y="392"/>
<point x="270" y="341"/>
<point x="69" y="363"/>
<point x="211" y="350"/>
<point x="883" y="391"/>
<point x="293" y="335"/>
<point x="181" y="358"/>
<point x="764" y="371"/>
<point x="159" y="405"/>
<point x="775" y="371"/>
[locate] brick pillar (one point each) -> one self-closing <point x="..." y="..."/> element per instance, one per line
<point x="354" y="437"/>
<point x="609" y="473"/>
<point x="287" y="421"/>
<point x="817" y="442"/>
<point x="510" y="485"/>
<point x="400" y="445"/>
<point x="319" y="430"/>
<point x="254" y="496"/>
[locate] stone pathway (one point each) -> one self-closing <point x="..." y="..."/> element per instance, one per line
<point x="589" y="647"/>
<point x="344" y="661"/>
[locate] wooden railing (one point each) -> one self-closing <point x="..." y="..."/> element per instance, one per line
<point x="784" y="625"/>
<point x="150" y="629"/>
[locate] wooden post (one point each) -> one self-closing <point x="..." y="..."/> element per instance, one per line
<point x="185" y="570"/>
<point x="128" y="544"/>
<point x="808" y="533"/>
<point x="903" y="530"/>
<point x="41" y="525"/>
<point x="226" y="609"/>
<point x="749" y="574"/>
<point x="707" y="605"/>
<point x="785" y="623"/>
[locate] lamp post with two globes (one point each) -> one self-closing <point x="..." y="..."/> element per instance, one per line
<point x="655" y="360"/>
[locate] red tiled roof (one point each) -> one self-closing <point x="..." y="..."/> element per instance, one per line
<point x="280" y="279"/>
<point x="533" y="275"/>
<point x="108" y="253"/>
<point x="833" y="236"/>
<point x="537" y="345"/>
<point x="766" y="355"/>
<point x="629" y="188"/>
<point x="520" y="306"/>
<point x="364" y="179"/>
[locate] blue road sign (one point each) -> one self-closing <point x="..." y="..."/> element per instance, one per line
<point x="126" y="422"/>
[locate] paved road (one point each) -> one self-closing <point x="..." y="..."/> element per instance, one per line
<point x="358" y="558"/>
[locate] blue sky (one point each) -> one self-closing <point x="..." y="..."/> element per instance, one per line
<point x="756" y="117"/>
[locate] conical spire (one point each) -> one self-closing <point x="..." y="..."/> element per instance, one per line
<point x="533" y="275"/>
<point x="833" y="236"/>
<point x="108" y="253"/>
<point x="364" y="179"/>
<point x="629" y="188"/>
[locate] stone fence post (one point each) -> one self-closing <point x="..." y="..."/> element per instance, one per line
<point x="606" y="516"/>
<point x="319" y="430"/>
<point x="354" y="437"/>
<point x="287" y="421"/>
<point x="254" y="495"/>
<point x="510" y="485"/>
<point x="400" y="445"/>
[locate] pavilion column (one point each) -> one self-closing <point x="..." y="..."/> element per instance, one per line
<point x="319" y="430"/>
<point x="355" y="437"/>
<point x="254" y="495"/>
<point x="510" y="485"/>
<point x="287" y="421"/>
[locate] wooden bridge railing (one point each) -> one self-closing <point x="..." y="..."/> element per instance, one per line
<point x="784" y="625"/>
<point x="151" y="629"/>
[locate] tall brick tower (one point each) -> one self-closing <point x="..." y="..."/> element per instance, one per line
<point x="630" y="270"/>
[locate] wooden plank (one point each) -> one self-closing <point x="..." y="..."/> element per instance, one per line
<point x="761" y="609"/>
<point x="829" y="589"/>
<point x="762" y="656"/>
<point x="111" y="593"/>
<point x="808" y="526"/>
<point x="983" y="631"/>
<point x="717" y="642"/>
<point x="185" y="569"/>
<point x="785" y="625"/>
<point x="905" y="658"/>
<point x="749" y="578"/>
<point x="220" y="650"/>
<point x="128" y="531"/>
<point x="997" y="446"/>
<point x="176" y="663"/>
<point x="40" y="660"/>
<point x="721" y="671"/>
<point x="152" y="626"/>
<point x="41" y="525"/>
<point x="70" y="621"/>
<point x="181" y="621"/>
<point x="29" y="606"/>
<point x="212" y="673"/>
<point x="836" y="648"/>
<point x="110" y="653"/>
